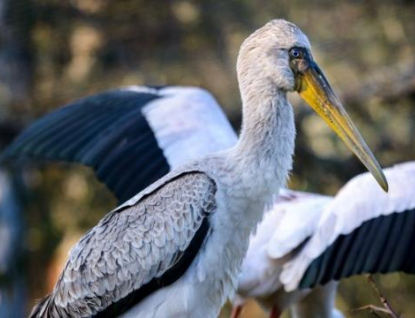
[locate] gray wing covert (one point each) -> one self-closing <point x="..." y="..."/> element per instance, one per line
<point x="133" y="250"/>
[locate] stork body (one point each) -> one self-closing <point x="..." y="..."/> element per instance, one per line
<point x="182" y="239"/>
<point x="234" y="193"/>
<point x="237" y="192"/>
<point x="225" y="201"/>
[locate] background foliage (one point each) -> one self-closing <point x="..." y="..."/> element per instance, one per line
<point x="52" y="52"/>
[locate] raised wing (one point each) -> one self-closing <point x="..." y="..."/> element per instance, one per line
<point x="135" y="249"/>
<point x="131" y="137"/>
<point x="188" y="123"/>
<point x="364" y="230"/>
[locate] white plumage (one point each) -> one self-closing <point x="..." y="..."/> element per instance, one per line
<point x="193" y="124"/>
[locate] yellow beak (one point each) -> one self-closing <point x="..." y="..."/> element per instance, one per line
<point x="314" y="88"/>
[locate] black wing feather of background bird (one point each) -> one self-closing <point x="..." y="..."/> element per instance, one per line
<point x="106" y="131"/>
<point x="380" y="245"/>
<point x="363" y="230"/>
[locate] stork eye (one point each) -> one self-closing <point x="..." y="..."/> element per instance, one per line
<point x="295" y="53"/>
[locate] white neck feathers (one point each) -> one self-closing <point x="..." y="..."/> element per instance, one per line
<point x="266" y="143"/>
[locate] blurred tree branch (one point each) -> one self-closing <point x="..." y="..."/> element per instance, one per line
<point x="387" y="84"/>
<point x="372" y="309"/>
<point x="375" y="310"/>
<point x="391" y="312"/>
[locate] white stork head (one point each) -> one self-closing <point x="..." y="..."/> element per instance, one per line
<point x="276" y="59"/>
<point x="270" y="48"/>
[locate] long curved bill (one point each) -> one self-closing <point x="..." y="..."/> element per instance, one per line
<point x="314" y="88"/>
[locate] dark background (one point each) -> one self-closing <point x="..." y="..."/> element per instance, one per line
<point x="52" y="52"/>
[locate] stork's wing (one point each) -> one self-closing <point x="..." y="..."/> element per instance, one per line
<point x="140" y="247"/>
<point x="363" y="230"/>
<point x="131" y="137"/>
<point x="291" y="220"/>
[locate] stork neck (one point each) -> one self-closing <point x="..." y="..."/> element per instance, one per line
<point x="266" y="142"/>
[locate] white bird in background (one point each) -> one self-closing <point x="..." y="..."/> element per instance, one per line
<point x="310" y="241"/>
<point x="182" y="239"/>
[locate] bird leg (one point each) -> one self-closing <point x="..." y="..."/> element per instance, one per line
<point x="236" y="311"/>
<point x="275" y="312"/>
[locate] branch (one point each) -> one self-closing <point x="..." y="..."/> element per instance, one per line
<point x="387" y="84"/>
<point x="388" y="308"/>
<point x="372" y="309"/>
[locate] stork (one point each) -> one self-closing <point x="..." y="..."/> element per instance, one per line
<point x="176" y="125"/>
<point x="183" y="238"/>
